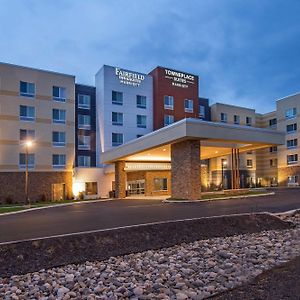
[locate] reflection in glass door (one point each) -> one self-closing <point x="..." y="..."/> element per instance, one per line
<point x="136" y="187"/>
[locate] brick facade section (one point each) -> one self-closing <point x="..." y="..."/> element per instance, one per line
<point x="185" y="174"/>
<point x="40" y="185"/>
<point x="284" y="173"/>
<point x="120" y="179"/>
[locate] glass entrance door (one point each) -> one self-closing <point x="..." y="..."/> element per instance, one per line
<point x="136" y="187"/>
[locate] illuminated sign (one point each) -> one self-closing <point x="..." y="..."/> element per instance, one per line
<point x="129" y="78"/>
<point x="180" y="79"/>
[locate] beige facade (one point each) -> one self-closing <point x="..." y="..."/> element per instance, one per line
<point x="27" y="102"/>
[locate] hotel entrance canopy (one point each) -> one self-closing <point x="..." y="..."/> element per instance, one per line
<point x="184" y="144"/>
<point x="217" y="139"/>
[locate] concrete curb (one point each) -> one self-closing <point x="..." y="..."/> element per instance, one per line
<point x="220" y="198"/>
<point x="53" y="206"/>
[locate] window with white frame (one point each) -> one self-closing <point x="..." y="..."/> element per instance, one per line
<point x="27" y="89"/>
<point x="117" y="98"/>
<point x="160" y="184"/>
<point x="248" y="121"/>
<point x="27" y="113"/>
<point x="59" y="93"/>
<point x="84" y="161"/>
<point x="27" y="134"/>
<point x="293" y="179"/>
<point x="84" y="142"/>
<point x="291" y="113"/>
<point x="22" y="160"/>
<point x="236" y="119"/>
<point x="141" y="121"/>
<point x="141" y="101"/>
<point x="84" y="101"/>
<point x="58" y="138"/>
<point x="188" y="105"/>
<point x="58" y="116"/>
<point x="116" y="139"/>
<point x="292" y="159"/>
<point x="84" y="122"/>
<point x="273" y="149"/>
<point x="58" y="160"/>
<point x="168" y="119"/>
<point x="117" y="118"/>
<point x="169" y="102"/>
<point x="224" y="117"/>
<point x="292" y="143"/>
<point x="273" y="123"/>
<point x="291" y="128"/>
<point x="201" y="111"/>
<point x="249" y="163"/>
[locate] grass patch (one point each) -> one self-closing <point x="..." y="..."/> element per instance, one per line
<point x="7" y="209"/>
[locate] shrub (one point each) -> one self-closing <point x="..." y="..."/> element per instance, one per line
<point x="9" y="200"/>
<point x="43" y="198"/>
<point x="81" y="196"/>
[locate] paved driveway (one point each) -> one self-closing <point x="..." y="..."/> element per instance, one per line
<point x="103" y="215"/>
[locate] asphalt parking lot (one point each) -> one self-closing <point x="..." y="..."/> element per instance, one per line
<point x="116" y="213"/>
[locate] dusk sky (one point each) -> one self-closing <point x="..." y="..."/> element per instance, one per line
<point x="246" y="52"/>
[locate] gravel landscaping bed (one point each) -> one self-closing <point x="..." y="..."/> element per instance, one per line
<point x="194" y="270"/>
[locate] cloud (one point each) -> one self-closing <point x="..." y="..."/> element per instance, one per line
<point x="246" y="53"/>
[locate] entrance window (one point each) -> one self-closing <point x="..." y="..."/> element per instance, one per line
<point x="160" y="184"/>
<point x="91" y="188"/>
<point x="236" y="119"/>
<point x="224" y="117"/>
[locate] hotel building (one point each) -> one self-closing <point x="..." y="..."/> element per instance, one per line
<point x="136" y="133"/>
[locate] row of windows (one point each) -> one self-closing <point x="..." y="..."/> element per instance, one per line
<point x="249" y="163"/>
<point x="117" y="119"/>
<point x="27" y="89"/>
<point x="236" y="119"/>
<point x="58" y="160"/>
<point x="117" y="98"/>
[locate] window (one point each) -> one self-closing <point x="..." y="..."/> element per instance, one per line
<point x="188" y="105"/>
<point x="273" y="149"/>
<point x="27" y="89"/>
<point x="59" y="116"/>
<point x="84" y="161"/>
<point x="201" y="112"/>
<point x="117" y="118"/>
<point x="236" y="119"/>
<point x="141" y="101"/>
<point x="141" y="121"/>
<point x="223" y="117"/>
<point x="249" y="163"/>
<point x="249" y="152"/>
<point x="273" y="123"/>
<point x="117" y="98"/>
<point x="27" y="113"/>
<point x="22" y="160"/>
<point x="116" y="139"/>
<point x="84" y="142"/>
<point x="139" y="135"/>
<point x="292" y="159"/>
<point x="58" y="160"/>
<point x="91" y="188"/>
<point x="59" y="93"/>
<point x="293" y="179"/>
<point x="160" y="184"/>
<point x="273" y="162"/>
<point x="169" y="102"/>
<point x="291" y="113"/>
<point x="84" y="101"/>
<point x="84" y="122"/>
<point x="248" y="121"/>
<point x="291" y="128"/>
<point x="292" y="143"/>
<point x="58" y="138"/>
<point x="27" y="134"/>
<point x="168" y="119"/>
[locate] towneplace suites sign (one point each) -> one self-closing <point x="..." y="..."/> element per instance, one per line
<point x="179" y="79"/>
<point x="129" y="78"/>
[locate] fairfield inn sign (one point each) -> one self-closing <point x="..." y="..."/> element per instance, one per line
<point x="129" y="78"/>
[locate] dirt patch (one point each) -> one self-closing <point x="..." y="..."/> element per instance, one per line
<point x="33" y="255"/>
<point x="279" y="283"/>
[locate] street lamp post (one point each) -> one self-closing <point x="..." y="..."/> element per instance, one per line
<point x="28" y="144"/>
